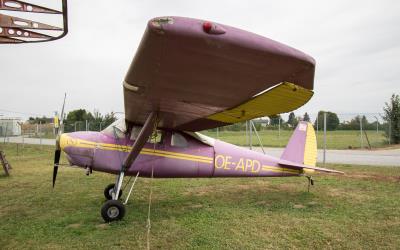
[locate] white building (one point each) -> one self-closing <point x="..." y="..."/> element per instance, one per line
<point x="10" y="126"/>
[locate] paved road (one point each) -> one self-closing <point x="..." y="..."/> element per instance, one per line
<point x="390" y="157"/>
<point x="19" y="139"/>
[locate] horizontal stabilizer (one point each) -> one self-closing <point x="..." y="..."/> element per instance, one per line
<point x="306" y="169"/>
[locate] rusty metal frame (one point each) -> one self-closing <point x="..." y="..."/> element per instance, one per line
<point x="13" y="30"/>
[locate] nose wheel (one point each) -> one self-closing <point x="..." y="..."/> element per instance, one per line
<point x="112" y="210"/>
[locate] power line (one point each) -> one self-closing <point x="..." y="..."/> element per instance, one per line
<point x="22" y="113"/>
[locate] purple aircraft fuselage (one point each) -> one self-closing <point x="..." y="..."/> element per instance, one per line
<point x="189" y="157"/>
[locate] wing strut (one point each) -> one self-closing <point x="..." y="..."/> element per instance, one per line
<point x="114" y="209"/>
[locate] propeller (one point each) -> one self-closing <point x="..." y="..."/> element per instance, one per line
<point x="59" y="130"/>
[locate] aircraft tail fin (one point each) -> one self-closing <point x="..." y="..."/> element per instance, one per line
<point x="302" y="146"/>
<point x="301" y="151"/>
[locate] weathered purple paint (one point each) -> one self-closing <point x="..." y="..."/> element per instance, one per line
<point x="226" y="160"/>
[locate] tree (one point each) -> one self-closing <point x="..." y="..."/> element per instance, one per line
<point x="292" y="121"/>
<point x="306" y="117"/>
<point x="108" y="119"/>
<point x="76" y="119"/>
<point x="79" y="115"/>
<point x="392" y="117"/>
<point x="332" y="120"/>
<point x="41" y="120"/>
<point x="274" y="119"/>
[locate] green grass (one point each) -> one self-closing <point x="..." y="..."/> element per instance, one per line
<point x="359" y="210"/>
<point x="339" y="139"/>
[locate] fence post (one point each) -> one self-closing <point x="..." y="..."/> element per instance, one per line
<point x="361" y="133"/>
<point x="279" y="130"/>
<point x="390" y="131"/>
<point x="324" y="158"/>
<point x="377" y="124"/>
<point x="247" y="134"/>
<point x="5" y="134"/>
<point x="251" y="134"/>
<point x="217" y="133"/>
<point x="23" y="144"/>
<point x="40" y="134"/>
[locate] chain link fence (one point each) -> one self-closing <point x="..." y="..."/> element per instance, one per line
<point x="352" y="131"/>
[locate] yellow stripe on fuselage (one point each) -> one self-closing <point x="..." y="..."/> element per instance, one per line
<point x="72" y="142"/>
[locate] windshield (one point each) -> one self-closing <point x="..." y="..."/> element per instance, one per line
<point x="116" y="128"/>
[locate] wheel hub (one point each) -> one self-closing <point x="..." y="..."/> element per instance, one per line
<point x="113" y="212"/>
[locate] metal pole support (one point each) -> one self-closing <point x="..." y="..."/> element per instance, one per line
<point x="324" y="159"/>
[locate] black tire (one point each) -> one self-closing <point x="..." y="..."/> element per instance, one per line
<point x="112" y="210"/>
<point x="108" y="190"/>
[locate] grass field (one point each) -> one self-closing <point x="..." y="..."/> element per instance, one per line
<point x="339" y="139"/>
<point x="359" y="210"/>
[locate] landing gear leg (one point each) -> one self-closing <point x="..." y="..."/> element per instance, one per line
<point x="310" y="182"/>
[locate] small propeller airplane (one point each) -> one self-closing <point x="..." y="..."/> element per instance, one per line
<point x="188" y="75"/>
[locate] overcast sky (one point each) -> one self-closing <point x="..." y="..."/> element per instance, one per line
<point x="356" y="45"/>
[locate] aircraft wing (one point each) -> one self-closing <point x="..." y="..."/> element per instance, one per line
<point x="200" y="75"/>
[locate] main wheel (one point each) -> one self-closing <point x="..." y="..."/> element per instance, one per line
<point x="112" y="210"/>
<point x="109" y="190"/>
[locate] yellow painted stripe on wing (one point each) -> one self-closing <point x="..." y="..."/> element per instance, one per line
<point x="310" y="149"/>
<point x="281" y="98"/>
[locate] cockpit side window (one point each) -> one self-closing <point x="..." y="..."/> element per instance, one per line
<point x="118" y="130"/>
<point x="178" y="140"/>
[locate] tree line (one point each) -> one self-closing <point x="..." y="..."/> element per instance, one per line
<point x="77" y="119"/>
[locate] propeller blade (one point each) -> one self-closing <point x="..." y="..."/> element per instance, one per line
<point x="57" y="152"/>
<point x="57" y="155"/>
<point x="62" y="115"/>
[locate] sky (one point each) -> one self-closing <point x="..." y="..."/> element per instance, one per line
<point x="356" y="45"/>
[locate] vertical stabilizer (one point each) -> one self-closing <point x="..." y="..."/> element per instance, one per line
<point x="302" y="146"/>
